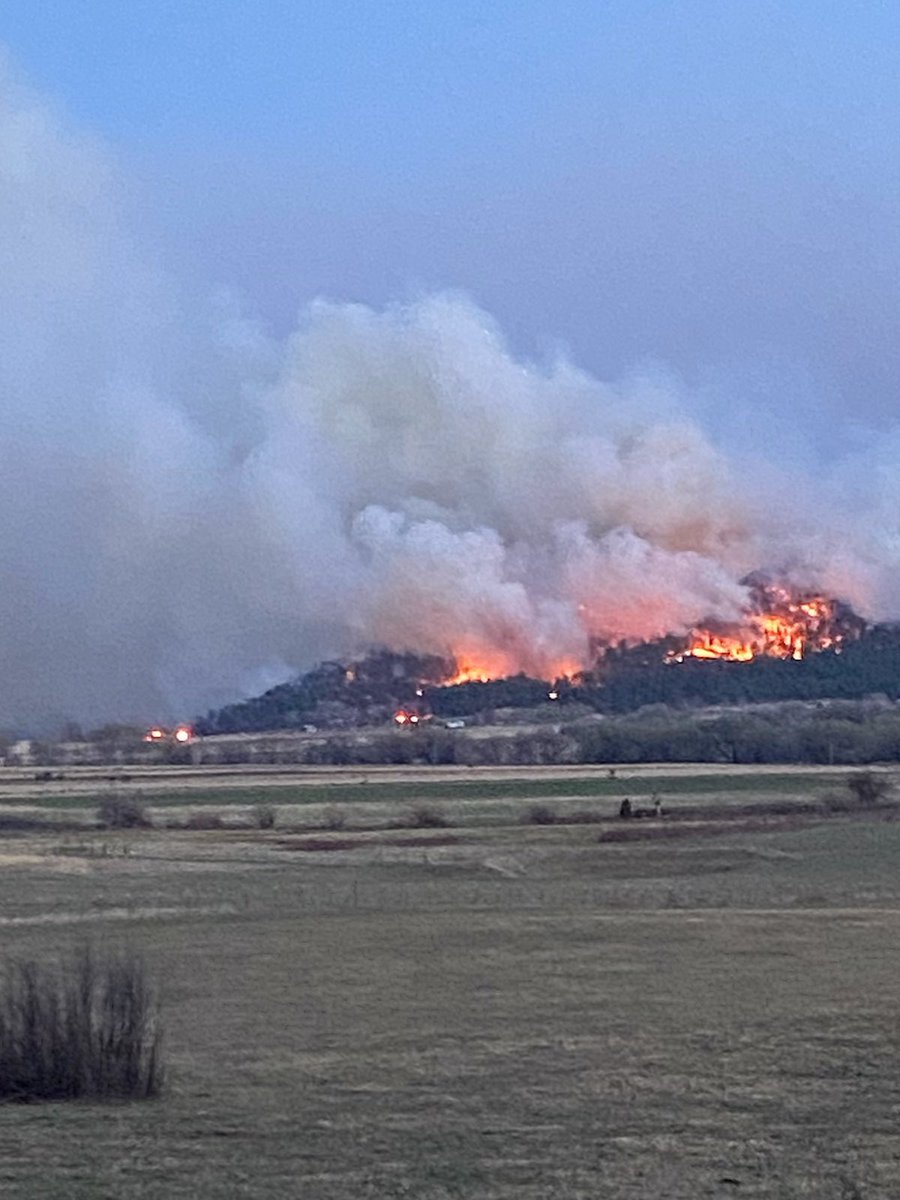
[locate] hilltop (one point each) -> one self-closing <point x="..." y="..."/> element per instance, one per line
<point x="335" y="695"/>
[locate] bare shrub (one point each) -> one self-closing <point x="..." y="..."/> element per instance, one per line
<point x="867" y="787"/>
<point x="334" y="819"/>
<point x="123" y="812"/>
<point x="540" y="814"/>
<point x="836" y="802"/>
<point x="265" y="816"/>
<point x="85" y="1029"/>
<point x="425" y="817"/>
<point x="204" y="820"/>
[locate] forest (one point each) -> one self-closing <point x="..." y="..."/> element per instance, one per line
<point x="626" y="679"/>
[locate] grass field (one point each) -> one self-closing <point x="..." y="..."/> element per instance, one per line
<point x="492" y="1010"/>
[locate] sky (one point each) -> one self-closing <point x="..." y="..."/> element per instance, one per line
<point x="495" y="330"/>
<point x="705" y="186"/>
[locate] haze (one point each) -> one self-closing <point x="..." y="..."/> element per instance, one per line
<point x="203" y="491"/>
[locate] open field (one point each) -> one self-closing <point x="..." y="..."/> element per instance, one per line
<point x="479" y="793"/>
<point x="76" y="779"/>
<point x="494" y="1009"/>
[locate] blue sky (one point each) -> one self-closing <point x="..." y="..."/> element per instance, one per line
<point x="710" y="186"/>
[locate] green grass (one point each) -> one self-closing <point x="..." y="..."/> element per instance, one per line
<point x="276" y="792"/>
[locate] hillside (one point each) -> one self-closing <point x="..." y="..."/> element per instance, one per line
<point x="334" y="695"/>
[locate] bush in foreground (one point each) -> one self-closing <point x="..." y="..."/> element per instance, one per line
<point x="334" y="819"/>
<point x="867" y="787"/>
<point x="202" y="819"/>
<point x="86" y="1029"/>
<point x="122" y="812"/>
<point x="425" y="817"/>
<point x="540" y="814"/>
<point x="265" y="816"/>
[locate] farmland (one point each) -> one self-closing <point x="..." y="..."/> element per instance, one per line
<point x="438" y="982"/>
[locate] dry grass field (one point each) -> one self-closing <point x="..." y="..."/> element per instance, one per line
<point x="485" y="1007"/>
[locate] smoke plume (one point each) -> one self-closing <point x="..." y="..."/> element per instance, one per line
<point x="193" y="510"/>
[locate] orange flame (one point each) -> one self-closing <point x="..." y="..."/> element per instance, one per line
<point x="404" y="716"/>
<point x="780" y="622"/>
<point x="470" y="673"/>
<point x="483" y="670"/>
<point x="181" y="734"/>
<point x="785" y="624"/>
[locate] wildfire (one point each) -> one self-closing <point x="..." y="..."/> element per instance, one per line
<point x="781" y="624"/>
<point x="470" y="673"/>
<point x="472" y="670"/>
<point x="780" y="621"/>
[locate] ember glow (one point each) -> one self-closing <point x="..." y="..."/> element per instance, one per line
<point x="487" y="668"/>
<point x="182" y="734"/>
<point x="405" y="716"/>
<point x="782" y="623"/>
<point x="470" y="673"/>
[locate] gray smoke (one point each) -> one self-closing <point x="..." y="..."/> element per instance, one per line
<point x="193" y="511"/>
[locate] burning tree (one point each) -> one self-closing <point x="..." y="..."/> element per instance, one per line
<point x="781" y="622"/>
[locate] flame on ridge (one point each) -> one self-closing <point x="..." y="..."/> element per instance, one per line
<point x="782" y="623"/>
<point x="469" y="672"/>
<point x="482" y="670"/>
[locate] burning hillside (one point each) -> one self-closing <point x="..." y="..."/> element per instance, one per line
<point x="846" y="660"/>
<point x="782" y="622"/>
<point x="779" y="621"/>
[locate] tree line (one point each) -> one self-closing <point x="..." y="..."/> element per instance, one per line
<point x="627" y="679"/>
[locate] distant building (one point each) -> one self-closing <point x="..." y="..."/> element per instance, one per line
<point x="20" y="754"/>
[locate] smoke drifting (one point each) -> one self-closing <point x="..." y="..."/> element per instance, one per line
<point x="193" y="511"/>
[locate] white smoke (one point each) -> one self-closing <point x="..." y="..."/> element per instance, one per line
<point x="192" y="511"/>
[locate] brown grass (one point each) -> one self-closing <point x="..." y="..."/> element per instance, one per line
<point x="575" y="1019"/>
<point x="367" y="843"/>
<point x="647" y="831"/>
